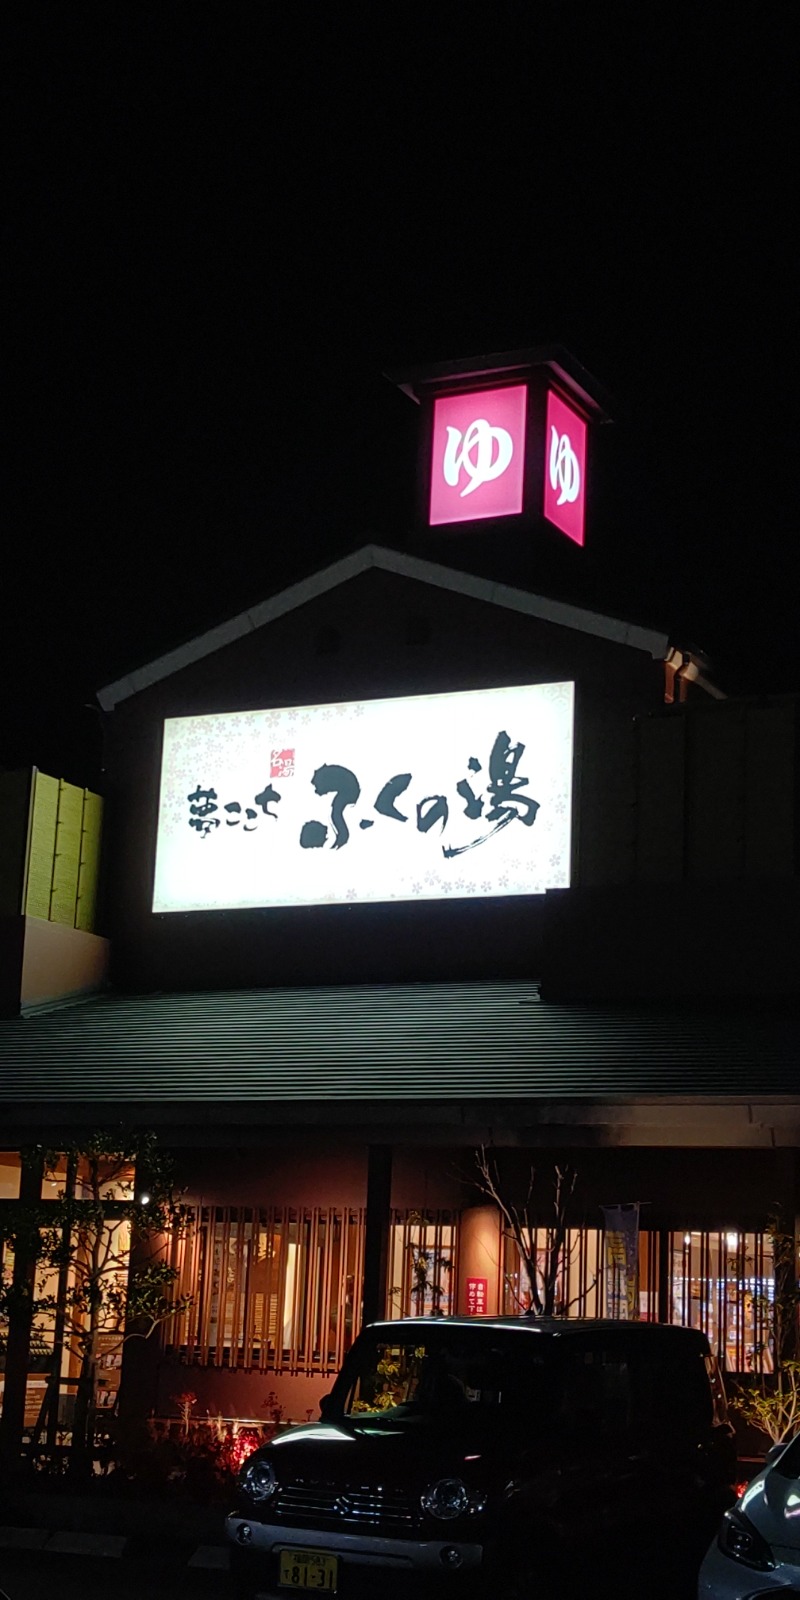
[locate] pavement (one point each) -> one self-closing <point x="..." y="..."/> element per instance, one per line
<point x="41" y="1529"/>
<point x="81" y="1546"/>
<point x="25" y="1575"/>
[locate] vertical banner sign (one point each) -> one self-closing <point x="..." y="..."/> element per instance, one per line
<point x="565" y="468"/>
<point x="622" y="1262"/>
<point x="476" y="1296"/>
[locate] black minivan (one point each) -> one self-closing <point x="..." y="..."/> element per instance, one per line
<point x="465" y="1455"/>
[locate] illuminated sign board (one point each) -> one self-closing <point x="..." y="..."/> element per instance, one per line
<point x="478" y="457"/>
<point x="565" y="468"/>
<point x="453" y="796"/>
<point x="477" y="1294"/>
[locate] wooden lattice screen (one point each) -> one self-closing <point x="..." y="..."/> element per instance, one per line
<point x="273" y="1289"/>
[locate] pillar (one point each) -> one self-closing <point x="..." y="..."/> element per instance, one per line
<point x="480" y="1258"/>
<point x="376" y="1238"/>
<point x="18" y="1344"/>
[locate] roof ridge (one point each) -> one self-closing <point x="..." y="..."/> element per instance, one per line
<point x="382" y="558"/>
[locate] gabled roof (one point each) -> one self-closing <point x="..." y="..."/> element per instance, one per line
<point x="650" y="641"/>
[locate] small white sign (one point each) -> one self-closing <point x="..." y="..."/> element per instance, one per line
<point x="449" y="795"/>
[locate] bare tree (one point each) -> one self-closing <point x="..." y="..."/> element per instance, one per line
<point x="546" y="1277"/>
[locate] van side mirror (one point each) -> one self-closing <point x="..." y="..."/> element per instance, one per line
<point x="775" y="1452"/>
<point x="326" y="1406"/>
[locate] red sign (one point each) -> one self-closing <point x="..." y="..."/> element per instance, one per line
<point x="282" y="764"/>
<point x="478" y="462"/>
<point x="565" y="468"/>
<point x="476" y="1296"/>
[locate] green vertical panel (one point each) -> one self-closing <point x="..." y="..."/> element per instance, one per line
<point x="64" y="897"/>
<point x="90" y="861"/>
<point x="42" y="846"/>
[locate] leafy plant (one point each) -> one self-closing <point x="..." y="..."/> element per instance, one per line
<point x="185" y="1403"/>
<point x="771" y="1403"/>
<point x="774" y="1409"/>
<point x="273" y="1407"/>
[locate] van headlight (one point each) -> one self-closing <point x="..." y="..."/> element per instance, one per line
<point x="742" y="1542"/>
<point x="257" y="1479"/>
<point x="449" y="1498"/>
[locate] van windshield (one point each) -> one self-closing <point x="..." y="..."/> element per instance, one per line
<point x="442" y="1371"/>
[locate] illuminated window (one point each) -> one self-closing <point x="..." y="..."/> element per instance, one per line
<point x="722" y="1282"/>
<point x="422" y="1264"/>
<point x="10" y="1167"/>
<point x="580" y="1285"/>
<point x="112" y="1180"/>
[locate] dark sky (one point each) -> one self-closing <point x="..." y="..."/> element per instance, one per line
<point x="226" y="221"/>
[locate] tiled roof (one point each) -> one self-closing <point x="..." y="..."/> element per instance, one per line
<point x="475" y="1042"/>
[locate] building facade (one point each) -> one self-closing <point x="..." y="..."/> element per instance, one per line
<point x="326" y="1072"/>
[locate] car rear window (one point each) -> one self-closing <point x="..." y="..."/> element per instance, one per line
<point x="624" y="1382"/>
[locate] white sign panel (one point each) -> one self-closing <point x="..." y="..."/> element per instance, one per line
<point x="457" y="795"/>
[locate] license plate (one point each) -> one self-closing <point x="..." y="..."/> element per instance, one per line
<point x="308" y="1569"/>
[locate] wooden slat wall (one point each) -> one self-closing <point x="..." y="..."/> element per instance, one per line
<point x="582" y="1287"/>
<point x="707" y="792"/>
<point x="715" y="794"/>
<point x="661" y="800"/>
<point x="710" y="1282"/>
<point x="238" y="1263"/>
<point x="769" y="808"/>
<point x="606" y="834"/>
<point x="435" y="1234"/>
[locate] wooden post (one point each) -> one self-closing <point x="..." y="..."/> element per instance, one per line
<point x="376" y="1233"/>
<point x="18" y="1345"/>
<point x="664" y="1270"/>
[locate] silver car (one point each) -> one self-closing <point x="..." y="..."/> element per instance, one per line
<point x="757" y="1550"/>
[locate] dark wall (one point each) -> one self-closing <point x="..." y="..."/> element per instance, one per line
<point x="375" y="636"/>
<point x="677" y="1188"/>
<point x="689" y="940"/>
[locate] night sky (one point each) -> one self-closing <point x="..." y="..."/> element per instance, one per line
<point x="225" y="222"/>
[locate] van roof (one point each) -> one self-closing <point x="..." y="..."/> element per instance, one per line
<point x="554" y="1327"/>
